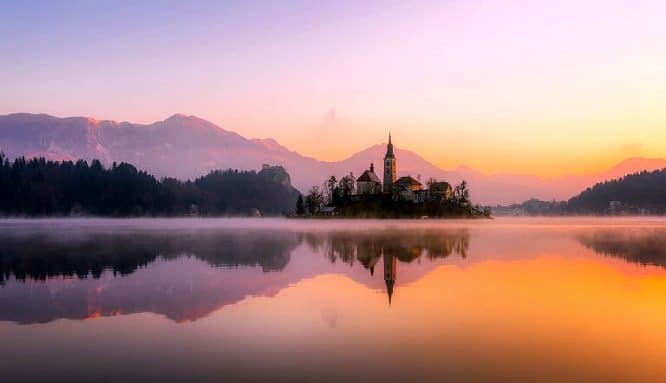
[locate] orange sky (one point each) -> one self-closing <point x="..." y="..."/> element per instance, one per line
<point x="545" y="88"/>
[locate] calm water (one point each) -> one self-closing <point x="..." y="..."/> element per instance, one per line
<point x="286" y="300"/>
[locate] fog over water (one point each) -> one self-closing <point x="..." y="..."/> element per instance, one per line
<point x="519" y="299"/>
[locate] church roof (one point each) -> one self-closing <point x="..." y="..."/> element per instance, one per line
<point x="408" y="180"/>
<point x="368" y="176"/>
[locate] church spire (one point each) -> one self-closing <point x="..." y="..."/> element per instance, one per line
<point x="389" y="167"/>
<point x="389" y="147"/>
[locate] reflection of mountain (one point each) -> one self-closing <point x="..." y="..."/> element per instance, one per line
<point x="171" y="274"/>
<point x="645" y="247"/>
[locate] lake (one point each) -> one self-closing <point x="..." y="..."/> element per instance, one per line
<point x="510" y="299"/>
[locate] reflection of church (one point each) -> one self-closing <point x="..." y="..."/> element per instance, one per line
<point x="391" y="247"/>
<point x="389" y="274"/>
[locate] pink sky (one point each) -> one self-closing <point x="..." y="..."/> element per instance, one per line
<point x="537" y="87"/>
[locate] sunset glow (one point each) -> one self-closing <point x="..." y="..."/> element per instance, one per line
<point x="521" y="86"/>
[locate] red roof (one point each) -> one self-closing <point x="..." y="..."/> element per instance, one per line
<point x="408" y="180"/>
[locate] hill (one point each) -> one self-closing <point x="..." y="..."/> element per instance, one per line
<point x="643" y="192"/>
<point x="635" y="194"/>
<point x="187" y="147"/>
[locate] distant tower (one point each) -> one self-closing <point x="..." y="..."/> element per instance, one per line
<point x="389" y="274"/>
<point x="389" y="167"/>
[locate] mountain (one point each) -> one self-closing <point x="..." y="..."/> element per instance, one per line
<point x="187" y="147"/>
<point x="632" y="193"/>
<point x="493" y="189"/>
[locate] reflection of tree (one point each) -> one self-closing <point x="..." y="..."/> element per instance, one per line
<point x="368" y="246"/>
<point x="41" y="257"/>
<point x="184" y="290"/>
<point x="645" y="247"/>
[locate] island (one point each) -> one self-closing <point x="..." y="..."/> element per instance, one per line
<point x="369" y="197"/>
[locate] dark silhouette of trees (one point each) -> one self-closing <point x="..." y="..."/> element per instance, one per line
<point x="38" y="187"/>
<point x="347" y="185"/>
<point x="461" y="194"/>
<point x="329" y="189"/>
<point x="639" y="190"/>
<point x="639" y="193"/>
<point x="300" y="205"/>
<point x="314" y="200"/>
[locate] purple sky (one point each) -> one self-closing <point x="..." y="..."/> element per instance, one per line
<point x="529" y="86"/>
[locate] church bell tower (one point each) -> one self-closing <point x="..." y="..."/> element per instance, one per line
<point x="389" y="167"/>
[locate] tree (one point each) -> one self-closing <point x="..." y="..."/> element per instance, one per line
<point x="347" y="185"/>
<point x="329" y="190"/>
<point x="300" y="206"/>
<point x="40" y="187"/>
<point x="461" y="194"/>
<point x="314" y="200"/>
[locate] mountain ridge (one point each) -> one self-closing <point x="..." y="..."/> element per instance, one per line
<point x="186" y="146"/>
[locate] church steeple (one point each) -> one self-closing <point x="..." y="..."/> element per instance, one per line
<point x="389" y="147"/>
<point x="389" y="167"/>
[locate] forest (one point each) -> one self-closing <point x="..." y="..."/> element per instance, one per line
<point x="38" y="187"/>
<point x="640" y="193"/>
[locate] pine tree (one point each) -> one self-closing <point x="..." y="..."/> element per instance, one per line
<point x="300" y="206"/>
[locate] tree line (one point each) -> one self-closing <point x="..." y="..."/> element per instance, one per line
<point x="639" y="193"/>
<point x="646" y="190"/>
<point x="37" y="187"/>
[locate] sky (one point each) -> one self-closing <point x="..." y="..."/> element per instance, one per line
<point x="532" y="87"/>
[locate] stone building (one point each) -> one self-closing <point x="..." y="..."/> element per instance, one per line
<point x="403" y="189"/>
<point x="440" y="190"/>
<point x="368" y="182"/>
<point x="407" y="189"/>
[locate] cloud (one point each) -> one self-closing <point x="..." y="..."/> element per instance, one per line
<point x="330" y="117"/>
<point x="631" y="148"/>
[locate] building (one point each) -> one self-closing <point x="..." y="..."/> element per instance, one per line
<point x="409" y="183"/>
<point x="368" y="182"/>
<point x="389" y="168"/>
<point x="408" y="189"/>
<point x="440" y="191"/>
<point x="403" y="189"/>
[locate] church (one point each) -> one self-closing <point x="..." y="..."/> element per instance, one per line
<point x="403" y="189"/>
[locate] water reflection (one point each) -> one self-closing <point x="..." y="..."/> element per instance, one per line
<point x="496" y="301"/>
<point x="390" y="245"/>
<point x="187" y="274"/>
<point x="643" y="246"/>
<point x="42" y="256"/>
<point x="91" y="274"/>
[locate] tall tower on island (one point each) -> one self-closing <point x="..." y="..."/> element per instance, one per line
<point x="389" y="167"/>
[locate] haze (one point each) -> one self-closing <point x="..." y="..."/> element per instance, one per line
<point x="543" y="88"/>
